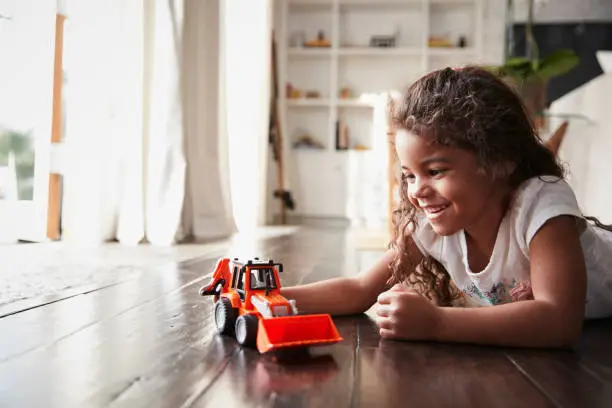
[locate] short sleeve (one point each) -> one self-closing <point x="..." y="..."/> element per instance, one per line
<point x="541" y="199"/>
<point x="425" y="238"/>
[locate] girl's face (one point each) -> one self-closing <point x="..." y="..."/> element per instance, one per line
<point x="445" y="183"/>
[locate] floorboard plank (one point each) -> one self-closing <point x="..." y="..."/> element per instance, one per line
<point x="106" y="362"/>
<point x="41" y="326"/>
<point x="320" y="377"/>
<point x="573" y="378"/>
<point x="419" y="374"/>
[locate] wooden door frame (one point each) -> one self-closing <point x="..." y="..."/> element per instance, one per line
<point x="55" y="179"/>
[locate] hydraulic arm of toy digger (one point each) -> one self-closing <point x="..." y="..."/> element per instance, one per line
<point x="220" y="280"/>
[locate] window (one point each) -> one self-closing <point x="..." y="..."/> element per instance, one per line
<point x="240" y="284"/>
<point x="234" y="276"/>
<point x="258" y="278"/>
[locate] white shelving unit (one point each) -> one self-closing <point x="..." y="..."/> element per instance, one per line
<point x="350" y="184"/>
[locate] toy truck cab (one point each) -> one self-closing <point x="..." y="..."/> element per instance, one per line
<point x="249" y="304"/>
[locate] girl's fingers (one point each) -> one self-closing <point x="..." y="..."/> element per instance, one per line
<point x="383" y="310"/>
<point x="385" y="297"/>
<point x="384" y="324"/>
<point x="386" y="333"/>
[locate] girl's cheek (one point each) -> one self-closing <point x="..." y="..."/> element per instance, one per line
<point x="412" y="200"/>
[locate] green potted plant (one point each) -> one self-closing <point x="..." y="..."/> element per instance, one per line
<point x="530" y="74"/>
<point x="21" y="145"/>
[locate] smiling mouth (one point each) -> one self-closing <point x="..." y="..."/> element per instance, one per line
<point x="433" y="211"/>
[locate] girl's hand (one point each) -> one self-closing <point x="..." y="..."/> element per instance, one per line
<point x="404" y="314"/>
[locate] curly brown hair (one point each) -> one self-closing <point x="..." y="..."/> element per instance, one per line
<point x="472" y="109"/>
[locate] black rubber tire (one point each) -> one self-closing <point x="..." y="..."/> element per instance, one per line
<point x="246" y="330"/>
<point x="225" y="316"/>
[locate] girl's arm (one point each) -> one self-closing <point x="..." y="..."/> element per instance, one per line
<point x="553" y="319"/>
<point x="344" y="295"/>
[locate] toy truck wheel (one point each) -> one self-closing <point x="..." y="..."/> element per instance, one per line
<point x="246" y="330"/>
<point x="225" y="316"/>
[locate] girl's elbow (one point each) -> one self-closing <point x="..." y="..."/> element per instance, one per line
<point x="573" y="335"/>
<point x="568" y="334"/>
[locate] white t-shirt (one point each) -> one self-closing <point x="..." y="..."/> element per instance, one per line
<point x="507" y="278"/>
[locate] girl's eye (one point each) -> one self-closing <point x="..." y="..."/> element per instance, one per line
<point x="408" y="177"/>
<point x="436" y="172"/>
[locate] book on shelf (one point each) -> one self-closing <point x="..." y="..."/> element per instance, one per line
<point x="342" y="135"/>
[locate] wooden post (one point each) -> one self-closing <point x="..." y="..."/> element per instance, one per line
<point x="54" y="200"/>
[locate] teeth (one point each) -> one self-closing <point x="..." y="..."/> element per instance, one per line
<point x="433" y="210"/>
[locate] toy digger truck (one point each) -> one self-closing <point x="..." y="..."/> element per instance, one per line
<point x="249" y="305"/>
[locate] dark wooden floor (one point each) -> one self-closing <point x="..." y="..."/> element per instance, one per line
<point x="150" y="343"/>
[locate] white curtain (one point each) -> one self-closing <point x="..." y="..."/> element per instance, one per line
<point x="208" y="211"/>
<point x="246" y="62"/>
<point x="145" y="162"/>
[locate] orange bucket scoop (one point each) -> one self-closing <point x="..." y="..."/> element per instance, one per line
<point x="296" y="331"/>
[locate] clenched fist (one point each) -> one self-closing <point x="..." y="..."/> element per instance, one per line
<point x="404" y="314"/>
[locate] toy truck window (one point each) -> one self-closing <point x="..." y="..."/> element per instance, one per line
<point x="240" y="284"/>
<point x="234" y="276"/>
<point x="258" y="278"/>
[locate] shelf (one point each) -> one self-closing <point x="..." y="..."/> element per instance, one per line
<point x="310" y="150"/>
<point x="309" y="52"/>
<point x="321" y="103"/>
<point x="364" y="51"/>
<point x="353" y="103"/>
<point x="373" y="51"/>
<point x="305" y="102"/>
<point x="450" y="51"/>
<point x="380" y="3"/>
<point x="310" y="2"/>
<point x="452" y="2"/>
<point x="306" y="5"/>
<point x="329" y="182"/>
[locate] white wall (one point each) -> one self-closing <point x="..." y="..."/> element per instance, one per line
<point x="61" y="7"/>
<point x="566" y="10"/>
<point x="495" y="16"/>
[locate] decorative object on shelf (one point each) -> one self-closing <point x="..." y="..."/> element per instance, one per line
<point x="462" y="43"/>
<point x="345" y="93"/>
<point x="297" y="39"/>
<point x="384" y="41"/>
<point x="308" y="142"/>
<point x="439" y="42"/>
<point x="360" y="147"/>
<point x="292" y="92"/>
<point x="313" y="94"/>
<point x="530" y="74"/>
<point x="319" y="42"/>
<point x="342" y="135"/>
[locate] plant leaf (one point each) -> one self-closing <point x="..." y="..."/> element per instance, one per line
<point x="516" y="62"/>
<point x="557" y="63"/>
<point x="516" y="67"/>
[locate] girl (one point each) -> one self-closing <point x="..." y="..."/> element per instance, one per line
<point x="486" y="219"/>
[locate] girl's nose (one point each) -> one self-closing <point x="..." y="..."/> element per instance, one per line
<point x="419" y="189"/>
